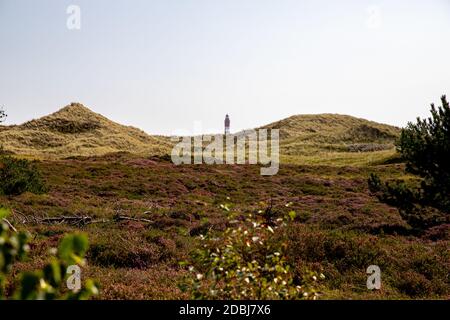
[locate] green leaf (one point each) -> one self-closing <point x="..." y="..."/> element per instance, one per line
<point x="73" y="248"/>
<point x="292" y="215"/>
<point x="29" y="285"/>
<point x="52" y="273"/>
<point x="4" y="213"/>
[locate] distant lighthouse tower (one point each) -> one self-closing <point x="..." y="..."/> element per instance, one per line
<point x="227" y="124"/>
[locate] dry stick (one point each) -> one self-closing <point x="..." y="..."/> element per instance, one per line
<point x="99" y="221"/>
<point x="9" y="224"/>
<point x="73" y="219"/>
<point x="17" y="215"/>
<point x="64" y="218"/>
<point x="133" y="219"/>
<point x="89" y="220"/>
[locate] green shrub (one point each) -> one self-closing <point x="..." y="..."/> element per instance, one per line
<point x="18" y="176"/>
<point x="48" y="282"/>
<point x="244" y="263"/>
<point x="13" y="247"/>
<point x="425" y="147"/>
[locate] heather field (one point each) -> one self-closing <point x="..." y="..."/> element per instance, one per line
<point x="143" y="215"/>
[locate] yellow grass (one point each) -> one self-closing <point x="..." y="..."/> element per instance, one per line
<point x="75" y="130"/>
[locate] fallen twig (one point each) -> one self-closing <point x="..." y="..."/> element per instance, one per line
<point x="9" y="224"/>
<point x="72" y="220"/>
<point x="68" y="219"/>
<point x="120" y="217"/>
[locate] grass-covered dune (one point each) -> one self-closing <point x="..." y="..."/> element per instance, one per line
<point x="77" y="131"/>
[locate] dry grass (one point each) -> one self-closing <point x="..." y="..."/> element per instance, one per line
<point x="332" y="129"/>
<point x="77" y="131"/>
<point x="340" y="158"/>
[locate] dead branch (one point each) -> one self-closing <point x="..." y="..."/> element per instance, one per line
<point x="120" y="217"/>
<point x="9" y="224"/>
<point x="67" y="219"/>
<point x="71" y="220"/>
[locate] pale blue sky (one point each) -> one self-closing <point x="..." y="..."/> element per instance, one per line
<point x="162" y="65"/>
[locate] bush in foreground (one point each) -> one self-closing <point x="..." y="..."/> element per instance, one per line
<point x="244" y="263"/>
<point x="47" y="283"/>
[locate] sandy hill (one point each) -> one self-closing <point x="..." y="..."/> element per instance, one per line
<point x="334" y="128"/>
<point x="316" y="133"/>
<point x="76" y="130"/>
<point x="304" y="134"/>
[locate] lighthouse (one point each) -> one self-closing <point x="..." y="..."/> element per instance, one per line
<point x="227" y="124"/>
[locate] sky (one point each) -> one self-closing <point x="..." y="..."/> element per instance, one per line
<point x="169" y="66"/>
